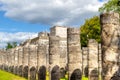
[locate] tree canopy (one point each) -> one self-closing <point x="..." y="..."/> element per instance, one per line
<point x="90" y="30"/>
<point x="11" y="45"/>
<point x="91" y="27"/>
<point x="111" y="6"/>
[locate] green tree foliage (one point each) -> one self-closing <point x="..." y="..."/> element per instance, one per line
<point x="111" y="6"/>
<point x="90" y="30"/>
<point x="14" y="44"/>
<point x="11" y="45"/>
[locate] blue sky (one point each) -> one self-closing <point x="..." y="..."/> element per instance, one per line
<point x="23" y="19"/>
<point x="11" y="25"/>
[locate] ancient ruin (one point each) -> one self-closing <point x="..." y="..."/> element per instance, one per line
<point x="59" y="53"/>
<point x="110" y="45"/>
<point x="74" y="54"/>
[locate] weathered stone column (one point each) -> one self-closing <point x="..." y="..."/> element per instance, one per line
<point x="11" y="59"/>
<point x="16" y="61"/>
<point x="74" y="54"/>
<point x="20" y="60"/>
<point x="93" y="59"/>
<point x="43" y="55"/>
<point x="20" y="56"/>
<point x="33" y="61"/>
<point x="4" y="60"/>
<point x="8" y="60"/>
<point x="110" y="35"/>
<point x="85" y="61"/>
<point x="63" y="56"/>
<point x="1" y="59"/>
<point x="2" y="67"/>
<point x="10" y="54"/>
<point x="41" y="62"/>
<point x="54" y="56"/>
<point x="99" y="61"/>
<point x="25" y="61"/>
<point x="61" y="31"/>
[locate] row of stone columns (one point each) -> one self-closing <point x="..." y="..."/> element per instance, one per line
<point x="28" y="60"/>
<point x="58" y="53"/>
<point x="91" y="64"/>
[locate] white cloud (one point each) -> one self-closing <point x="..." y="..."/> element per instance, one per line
<point x="51" y="12"/>
<point x="15" y="37"/>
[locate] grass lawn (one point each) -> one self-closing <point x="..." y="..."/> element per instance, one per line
<point x="66" y="77"/>
<point x="8" y="76"/>
<point x="84" y="78"/>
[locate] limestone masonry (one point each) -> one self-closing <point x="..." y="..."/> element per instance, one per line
<point x="59" y="53"/>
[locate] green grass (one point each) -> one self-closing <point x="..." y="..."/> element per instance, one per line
<point x="84" y="78"/>
<point x="8" y="76"/>
<point x="66" y="77"/>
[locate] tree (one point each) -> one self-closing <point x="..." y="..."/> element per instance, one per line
<point x="90" y="30"/>
<point x="11" y="45"/>
<point x="14" y="44"/>
<point x="111" y="6"/>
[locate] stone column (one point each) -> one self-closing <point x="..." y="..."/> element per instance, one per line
<point x="54" y="56"/>
<point x="74" y="54"/>
<point x="20" y="53"/>
<point x="20" y="60"/>
<point x="43" y="55"/>
<point x="12" y="60"/>
<point x="8" y="60"/>
<point x="61" y="31"/>
<point x="85" y="61"/>
<point x="33" y="61"/>
<point x="99" y="61"/>
<point x="63" y="56"/>
<point x="5" y="60"/>
<point x="25" y="61"/>
<point x="43" y="50"/>
<point x="110" y="35"/>
<point x="93" y="59"/>
<point x="0" y="59"/>
<point x="16" y="61"/>
<point x="42" y="62"/>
